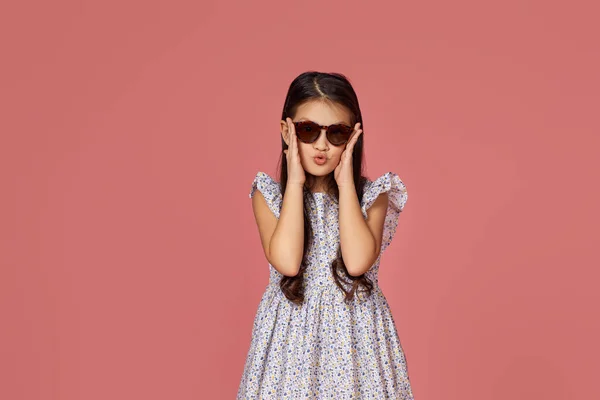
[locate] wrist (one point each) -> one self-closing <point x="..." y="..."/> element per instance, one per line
<point x="349" y="186"/>
<point x="294" y="183"/>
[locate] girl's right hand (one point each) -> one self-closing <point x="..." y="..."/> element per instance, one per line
<point x="294" y="166"/>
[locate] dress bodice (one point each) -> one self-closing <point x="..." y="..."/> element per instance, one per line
<point x="325" y="223"/>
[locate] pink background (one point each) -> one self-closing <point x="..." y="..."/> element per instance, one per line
<point x="131" y="266"/>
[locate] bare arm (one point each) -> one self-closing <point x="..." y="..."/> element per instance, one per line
<point x="360" y="239"/>
<point x="283" y="239"/>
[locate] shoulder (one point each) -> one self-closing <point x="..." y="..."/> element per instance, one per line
<point x="265" y="183"/>
<point x="269" y="190"/>
<point x="388" y="185"/>
<point x="387" y="192"/>
<point x="384" y="182"/>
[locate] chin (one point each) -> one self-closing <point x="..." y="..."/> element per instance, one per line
<point x="319" y="172"/>
<point x="316" y="170"/>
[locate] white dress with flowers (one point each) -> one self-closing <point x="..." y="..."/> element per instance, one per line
<point x="327" y="348"/>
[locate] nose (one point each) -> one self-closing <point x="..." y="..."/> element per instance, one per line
<point x="321" y="142"/>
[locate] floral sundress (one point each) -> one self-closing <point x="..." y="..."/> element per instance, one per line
<point x="327" y="348"/>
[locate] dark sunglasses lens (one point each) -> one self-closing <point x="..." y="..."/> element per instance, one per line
<point x="339" y="134"/>
<point x="307" y="131"/>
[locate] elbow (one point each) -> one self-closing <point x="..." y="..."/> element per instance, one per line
<point x="290" y="272"/>
<point x="287" y="268"/>
<point x="357" y="269"/>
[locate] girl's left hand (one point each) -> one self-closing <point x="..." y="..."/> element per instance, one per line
<point x="344" y="172"/>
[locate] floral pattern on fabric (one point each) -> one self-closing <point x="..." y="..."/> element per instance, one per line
<point x="327" y="348"/>
<point x="391" y="184"/>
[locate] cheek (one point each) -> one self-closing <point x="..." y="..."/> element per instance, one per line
<point x="336" y="154"/>
<point x="304" y="151"/>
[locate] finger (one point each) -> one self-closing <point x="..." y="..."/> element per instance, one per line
<point x="289" y="141"/>
<point x="291" y="131"/>
<point x="358" y="133"/>
<point x="292" y="140"/>
<point x="354" y="132"/>
<point x="295" y="138"/>
<point x="343" y="156"/>
<point x="354" y="140"/>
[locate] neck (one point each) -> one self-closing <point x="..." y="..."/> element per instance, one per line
<point x="318" y="184"/>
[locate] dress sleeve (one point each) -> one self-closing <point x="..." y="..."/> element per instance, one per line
<point x="397" y="195"/>
<point x="270" y="189"/>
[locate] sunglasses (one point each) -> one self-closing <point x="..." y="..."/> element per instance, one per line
<point x="308" y="132"/>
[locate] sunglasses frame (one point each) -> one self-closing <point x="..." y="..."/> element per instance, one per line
<point x="321" y="127"/>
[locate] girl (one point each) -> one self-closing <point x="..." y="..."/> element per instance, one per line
<point x="323" y="328"/>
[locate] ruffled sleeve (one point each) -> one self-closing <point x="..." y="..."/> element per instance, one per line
<point x="270" y="189"/>
<point x="391" y="184"/>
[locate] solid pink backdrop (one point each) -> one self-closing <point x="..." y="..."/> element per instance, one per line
<point x="131" y="266"/>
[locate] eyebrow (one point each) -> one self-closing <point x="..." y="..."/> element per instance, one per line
<point x="335" y="123"/>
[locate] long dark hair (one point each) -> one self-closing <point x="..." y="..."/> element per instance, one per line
<point x="336" y="89"/>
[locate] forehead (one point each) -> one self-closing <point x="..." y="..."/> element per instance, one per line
<point x="323" y="113"/>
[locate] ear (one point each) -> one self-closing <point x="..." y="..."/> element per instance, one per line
<point x="285" y="132"/>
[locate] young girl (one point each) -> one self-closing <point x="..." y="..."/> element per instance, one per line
<point x="323" y="327"/>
